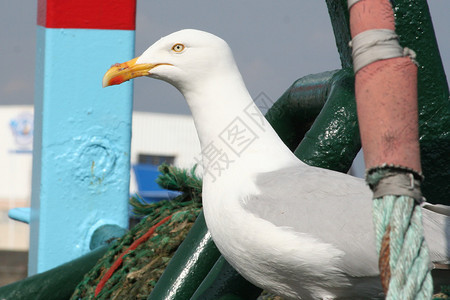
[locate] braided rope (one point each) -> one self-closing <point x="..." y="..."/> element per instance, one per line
<point x="404" y="260"/>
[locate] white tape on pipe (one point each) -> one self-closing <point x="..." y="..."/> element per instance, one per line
<point x="376" y="44"/>
<point x="350" y="3"/>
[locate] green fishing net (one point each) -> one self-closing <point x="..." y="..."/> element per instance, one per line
<point x="142" y="267"/>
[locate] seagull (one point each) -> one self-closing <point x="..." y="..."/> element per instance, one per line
<point x="298" y="231"/>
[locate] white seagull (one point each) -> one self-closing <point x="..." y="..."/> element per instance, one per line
<point x="298" y="231"/>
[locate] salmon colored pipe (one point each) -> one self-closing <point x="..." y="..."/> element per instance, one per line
<point x="386" y="96"/>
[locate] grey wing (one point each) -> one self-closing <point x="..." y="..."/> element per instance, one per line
<point x="436" y="223"/>
<point x="332" y="207"/>
<point x="337" y="209"/>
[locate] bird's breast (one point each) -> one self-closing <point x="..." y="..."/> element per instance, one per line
<point x="269" y="256"/>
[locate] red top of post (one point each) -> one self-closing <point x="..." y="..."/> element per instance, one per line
<point x="87" y="14"/>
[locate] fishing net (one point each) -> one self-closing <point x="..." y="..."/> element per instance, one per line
<point x="133" y="274"/>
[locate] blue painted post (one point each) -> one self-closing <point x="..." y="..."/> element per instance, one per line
<point x="82" y="132"/>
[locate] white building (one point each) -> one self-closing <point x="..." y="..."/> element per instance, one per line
<point x="153" y="135"/>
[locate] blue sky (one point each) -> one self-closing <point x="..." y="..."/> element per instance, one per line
<point x="274" y="43"/>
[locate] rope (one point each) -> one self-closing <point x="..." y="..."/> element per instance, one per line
<point x="403" y="254"/>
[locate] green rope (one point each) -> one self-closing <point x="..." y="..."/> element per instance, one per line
<point x="404" y="259"/>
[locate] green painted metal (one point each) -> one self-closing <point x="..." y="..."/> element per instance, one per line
<point x="340" y="20"/>
<point x="189" y="266"/>
<point x="55" y="284"/>
<point x="415" y="30"/>
<point x="328" y="100"/>
<point x="294" y="112"/>
<point x="224" y="283"/>
<point x="333" y="140"/>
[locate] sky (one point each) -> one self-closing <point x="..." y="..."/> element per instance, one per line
<point x="274" y="43"/>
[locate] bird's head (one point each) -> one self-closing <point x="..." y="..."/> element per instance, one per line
<point x="180" y="58"/>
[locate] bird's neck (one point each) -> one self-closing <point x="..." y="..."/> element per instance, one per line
<point x="232" y="130"/>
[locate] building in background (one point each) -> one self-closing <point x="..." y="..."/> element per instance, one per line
<point x="16" y="141"/>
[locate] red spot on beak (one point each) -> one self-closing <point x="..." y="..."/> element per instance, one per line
<point x="116" y="80"/>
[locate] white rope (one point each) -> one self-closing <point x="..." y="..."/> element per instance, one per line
<point x="350" y="3"/>
<point x="376" y="44"/>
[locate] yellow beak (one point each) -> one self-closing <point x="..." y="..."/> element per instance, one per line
<point x="120" y="73"/>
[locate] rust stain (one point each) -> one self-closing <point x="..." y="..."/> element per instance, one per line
<point x="383" y="261"/>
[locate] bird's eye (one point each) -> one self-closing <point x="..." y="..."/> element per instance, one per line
<point x="178" y="47"/>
